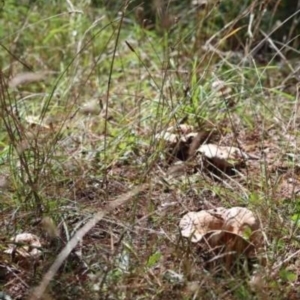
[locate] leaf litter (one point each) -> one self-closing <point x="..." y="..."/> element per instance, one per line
<point x="223" y="231"/>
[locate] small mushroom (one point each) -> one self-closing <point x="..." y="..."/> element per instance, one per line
<point x="175" y="134"/>
<point x="181" y="129"/>
<point x="170" y="138"/>
<point x="92" y="107"/>
<point x="222" y="156"/>
<point x="236" y="220"/>
<point x="221" y="88"/>
<point x="25" y="245"/>
<point x="177" y="141"/>
<point x="230" y="241"/>
<point x="223" y="229"/>
<point x="243" y="222"/>
<point x="195" y="225"/>
<point x="231" y="246"/>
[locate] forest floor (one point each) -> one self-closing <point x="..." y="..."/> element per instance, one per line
<point x="102" y="120"/>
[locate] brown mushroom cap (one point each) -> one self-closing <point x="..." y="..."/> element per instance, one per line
<point x="221" y="156"/>
<point x="194" y="225"/>
<point x="236" y="220"/>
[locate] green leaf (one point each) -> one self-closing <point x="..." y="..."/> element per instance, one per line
<point x="288" y="275"/>
<point x="296" y="219"/>
<point x="153" y="259"/>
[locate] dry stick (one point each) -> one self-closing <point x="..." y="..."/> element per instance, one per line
<point x="39" y="291"/>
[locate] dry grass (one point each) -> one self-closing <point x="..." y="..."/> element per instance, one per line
<point x="83" y="94"/>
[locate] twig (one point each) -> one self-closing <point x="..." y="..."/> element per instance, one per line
<point x="250" y="34"/>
